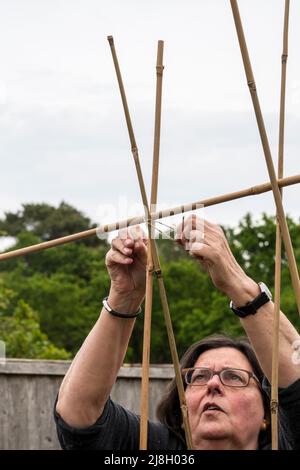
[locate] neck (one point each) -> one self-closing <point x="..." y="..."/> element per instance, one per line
<point x="224" y="444"/>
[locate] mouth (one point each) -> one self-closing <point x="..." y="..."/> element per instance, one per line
<point x="211" y="407"/>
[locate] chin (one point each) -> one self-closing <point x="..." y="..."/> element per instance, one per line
<point x="213" y="431"/>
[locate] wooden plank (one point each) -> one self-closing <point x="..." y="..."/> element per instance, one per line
<point x="28" y="389"/>
<point x="59" y="368"/>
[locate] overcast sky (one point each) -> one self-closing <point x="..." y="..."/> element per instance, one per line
<point x="62" y="130"/>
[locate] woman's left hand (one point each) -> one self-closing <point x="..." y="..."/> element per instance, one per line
<point x="207" y="243"/>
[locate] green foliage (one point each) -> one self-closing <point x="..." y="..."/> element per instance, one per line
<point x="50" y="300"/>
<point x="45" y="221"/>
<point x="6" y="295"/>
<point x="253" y="244"/>
<point x="23" y="337"/>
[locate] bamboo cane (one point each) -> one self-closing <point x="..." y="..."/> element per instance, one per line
<point x="139" y="219"/>
<point x="275" y="355"/>
<point x="268" y="157"/>
<point x="149" y="273"/>
<point x="156" y="263"/>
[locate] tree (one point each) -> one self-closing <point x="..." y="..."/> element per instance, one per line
<point x="46" y="222"/>
<point x="253" y="244"/>
<point x="64" y="286"/>
<point x="23" y="338"/>
<point x="6" y="296"/>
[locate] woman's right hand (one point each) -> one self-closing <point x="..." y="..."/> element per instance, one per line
<point x="126" y="263"/>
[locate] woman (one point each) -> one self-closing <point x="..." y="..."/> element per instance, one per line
<point x="224" y="390"/>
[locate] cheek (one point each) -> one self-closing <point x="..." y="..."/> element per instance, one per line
<point x="247" y="408"/>
<point x="193" y="398"/>
<point x="242" y="408"/>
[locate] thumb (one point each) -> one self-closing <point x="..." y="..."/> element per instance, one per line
<point x="200" y="250"/>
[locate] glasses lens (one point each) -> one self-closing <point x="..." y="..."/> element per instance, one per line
<point x="198" y="376"/>
<point x="234" y="377"/>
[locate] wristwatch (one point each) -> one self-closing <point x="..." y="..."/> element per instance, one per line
<point x="251" y="307"/>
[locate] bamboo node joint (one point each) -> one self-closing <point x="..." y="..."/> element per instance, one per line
<point x="159" y="69"/>
<point x="184" y="409"/>
<point x="158" y="273"/>
<point x="274" y="406"/>
<point x="284" y="58"/>
<point x="251" y="85"/>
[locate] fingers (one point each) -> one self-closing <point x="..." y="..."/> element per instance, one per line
<point x="203" y="254"/>
<point x="134" y="232"/>
<point x="192" y="225"/>
<point x="195" y="229"/>
<point x="204" y="240"/>
<point x="201" y="250"/>
<point x="129" y="244"/>
<point x="128" y="237"/>
<point x="116" y="257"/>
<point x="187" y="222"/>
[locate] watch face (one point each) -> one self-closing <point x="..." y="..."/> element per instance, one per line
<point x="265" y="289"/>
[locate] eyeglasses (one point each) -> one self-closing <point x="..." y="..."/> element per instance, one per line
<point x="229" y="377"/>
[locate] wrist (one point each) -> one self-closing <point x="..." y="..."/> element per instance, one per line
<point x="243" y="291"/>
<point x="124" y="302"/>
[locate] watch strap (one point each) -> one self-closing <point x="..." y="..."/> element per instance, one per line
<point x="251" y="307"/>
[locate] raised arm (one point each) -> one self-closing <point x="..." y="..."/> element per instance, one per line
<point x="88" y="383"/>
<point x="209" y="245"/>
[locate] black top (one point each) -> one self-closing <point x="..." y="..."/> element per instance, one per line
<point x="118" y="428"/>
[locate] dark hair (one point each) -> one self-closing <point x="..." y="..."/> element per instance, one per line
<point x="168" y="410"/>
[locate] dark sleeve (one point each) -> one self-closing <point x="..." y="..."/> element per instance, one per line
<point x="117" y="429"/>
<point x="289" y="415"/>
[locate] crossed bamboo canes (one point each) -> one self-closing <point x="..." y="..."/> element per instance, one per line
<point x="182" y="209"/>
<point x="275" y="347"/>
<point x="149" y="273"/>
<point x="154" y="253"/>
<point x="153" y="264"/>
<point x="281" y="226"/>
<point x="268" y="157"/>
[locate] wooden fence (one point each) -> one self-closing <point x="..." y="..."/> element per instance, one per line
<point x="27" y="393"/>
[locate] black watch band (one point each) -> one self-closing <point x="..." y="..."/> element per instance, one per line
<point x="251" y="307"/>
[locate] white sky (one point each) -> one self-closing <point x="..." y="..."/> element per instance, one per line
<point x="62" y="130"/>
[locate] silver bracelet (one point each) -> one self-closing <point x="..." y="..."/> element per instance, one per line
<point x="118" y="314"/>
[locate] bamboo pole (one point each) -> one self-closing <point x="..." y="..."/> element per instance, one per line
<point x="275" y="355"/>
<point x="139" y="219"/>
<point x="156" y="263"/>
<point x="268" y="157"/>
<point x="157" y="123"/>
<point x="149" y="272"/>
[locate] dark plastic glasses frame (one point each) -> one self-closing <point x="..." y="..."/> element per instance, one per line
<point x="219" y="373"/>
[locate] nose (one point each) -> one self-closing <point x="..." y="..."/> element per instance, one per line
<point x="214" y="384"/>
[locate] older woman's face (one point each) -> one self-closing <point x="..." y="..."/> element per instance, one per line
<point x="236" y="422"/>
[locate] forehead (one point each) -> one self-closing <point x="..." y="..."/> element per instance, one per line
<point x="219" y="358"/>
